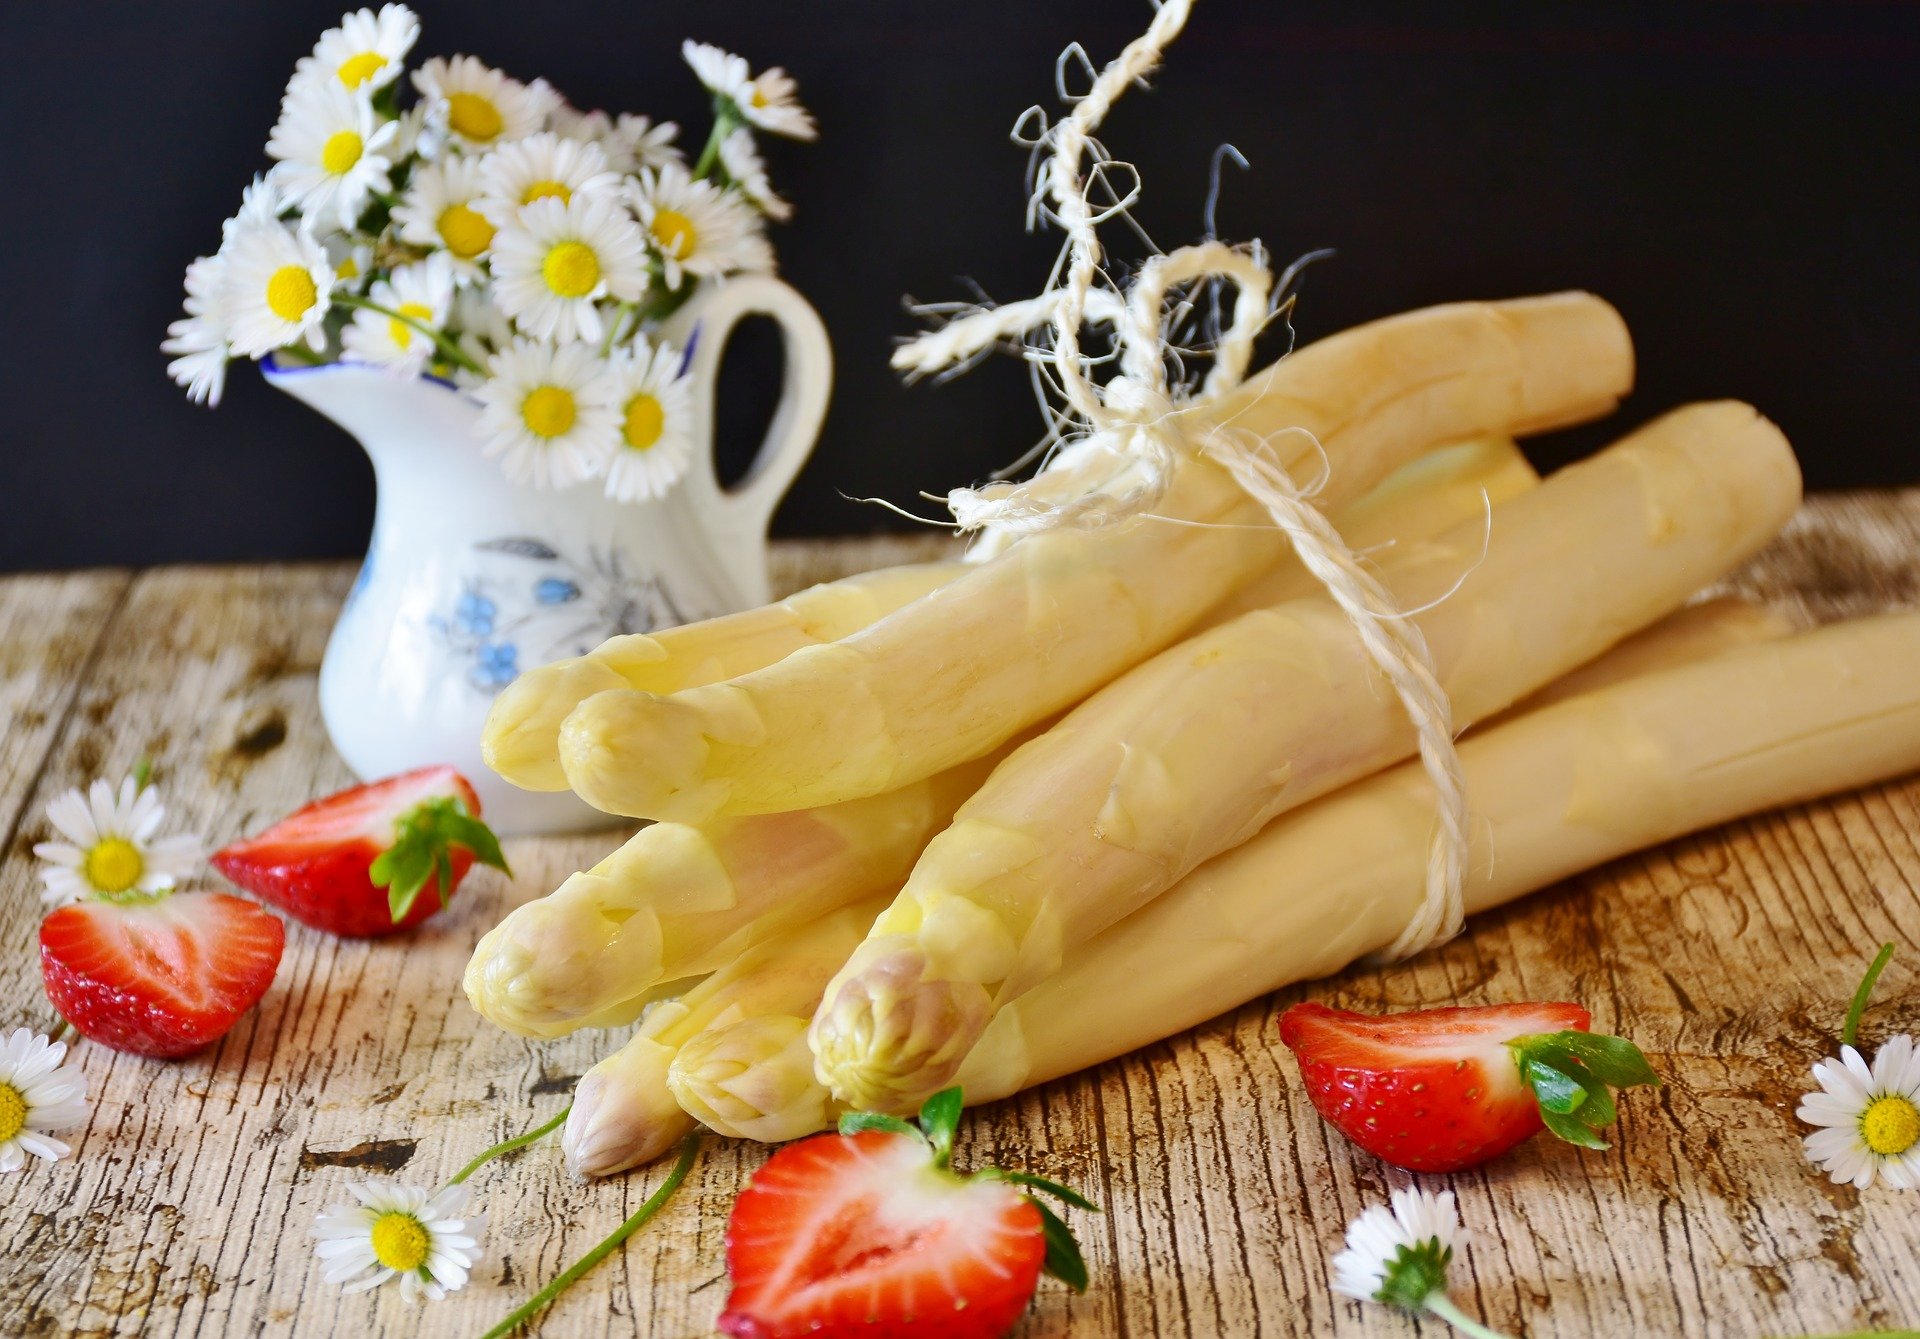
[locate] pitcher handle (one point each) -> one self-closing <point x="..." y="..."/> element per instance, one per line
<point x="803" y="391"/>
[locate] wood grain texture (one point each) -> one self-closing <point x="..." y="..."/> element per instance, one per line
<point x="184" y="1212"/>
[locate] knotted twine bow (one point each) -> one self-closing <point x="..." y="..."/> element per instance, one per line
<point x="1128" y="447"/>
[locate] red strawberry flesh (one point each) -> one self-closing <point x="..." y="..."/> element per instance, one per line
<point x="861" y="1234"/>
<point x="161" y="978"/>
<point x="1436" y="1090"/>
<point x="313" y="864"/>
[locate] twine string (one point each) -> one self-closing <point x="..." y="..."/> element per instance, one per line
<point x="1128" y="445"/>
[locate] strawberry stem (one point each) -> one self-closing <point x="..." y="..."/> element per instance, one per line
<point x="1857" y="1010"/>
<point x="1442" y="1306"/>
<point x="689" y="1149"/>
<point x="507" y="1146"/>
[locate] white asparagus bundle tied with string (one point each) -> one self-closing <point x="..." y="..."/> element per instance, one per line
<point x="1192" y="752"/>
<point x="1712" y="716"/>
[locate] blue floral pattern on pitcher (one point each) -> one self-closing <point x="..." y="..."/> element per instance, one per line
<point x="500" y="621"/>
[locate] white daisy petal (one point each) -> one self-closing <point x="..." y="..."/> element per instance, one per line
<point x="276" y="287"/>
<point x="440" y="209"/>
<point x="483" y="107"/>
<point x="422" y="292"/>
<point x="769" y="100"/>
<point x="398" y="1231"/>
<point x="741" y="161"/>
<point x="364" y="52"/>
<point x="331" y="153"/>
<point x="1869" y="1117"/>
<point x="39" y="1093"/>
<point x="696" y="228"/>
<point x="542" y="167"/>
<point x="113" y="847"/>
<point x="546" y="413"/>
<point x="560" y="259"/>
<point x="1377" y="1238"/>
<point x="655" y="407"/>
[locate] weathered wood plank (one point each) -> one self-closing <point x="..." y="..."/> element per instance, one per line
<point x="1728" y="956"/>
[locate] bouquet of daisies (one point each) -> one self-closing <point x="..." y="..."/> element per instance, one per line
<point x="481" y="230"/>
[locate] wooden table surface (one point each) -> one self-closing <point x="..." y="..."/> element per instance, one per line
<point x="185" y="1209"/>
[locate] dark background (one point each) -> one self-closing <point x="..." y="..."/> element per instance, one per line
<point x="1738" y="177"/>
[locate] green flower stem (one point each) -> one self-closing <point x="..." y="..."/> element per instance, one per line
<point x="726" y="118"/>
<point x="1858" y="1008"/>
<point x="689" y="1149"/>
<point x="1441" y="1305"/>
<point x="450" y="350"/>
<point x="508" y="1146"/>
<point x="616" y="328"/>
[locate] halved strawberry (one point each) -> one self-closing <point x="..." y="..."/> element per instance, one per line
<point x="359" y="863"/>
<point x="869" y="1232"/>
<point x="159" y="976"/>
<point x="1442" y="1089"/>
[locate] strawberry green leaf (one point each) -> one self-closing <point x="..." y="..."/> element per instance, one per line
<point x="853" y="1122"/>
<point x="1558" y="1091"/>
<point x="1613" y="1060"/>
<point x="1572" y="1074"/>
<point x="423" y="844"/>
<point x="1053" y="1188"/>
<point x="1063" y="1259"/>
<point x="940" y="1118"/>
<point x="1572" y="1129"/>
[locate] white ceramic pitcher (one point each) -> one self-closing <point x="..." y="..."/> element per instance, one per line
<point x="471" y="578"/>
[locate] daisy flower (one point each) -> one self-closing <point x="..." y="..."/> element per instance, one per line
<point x="697" y="228"/>
<point x="440" y="210"/>
<point x="742" y="163"/>
<point x="328" y="149"/>
<point x="274" y="287"/>
<point x="1869" y="1116"/>
<point x="352" y="260"/>
<point x="483" y="106"/>
<point x="259" y="203"/>
<point x="562" y="257"/>
<point x="37" y="1094"/>
<point x="422" y="292"/>
<point x="654" y="404"/>
<point x="546" y="412"/>
<point x="1400" y="1256"/>
<point x="199" y="339"/>
<point x="364" y="52"/>
<point x="111" y="846"/>
<point x="541" y="167"/>
<point x="767" y="100"/>
<point x="636" y="143"/>
<point x="429" y="1241"/>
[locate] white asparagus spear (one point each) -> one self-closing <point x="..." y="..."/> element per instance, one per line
<point x="1019" y="638"/>
<point x="522" y="737"/>
<point x="1558" y="791"/>
<point x="623" y="1113"/>
<point x="1669" y="738"/>
<point x="1191" y="753"/>
<point x="678" y="901"/>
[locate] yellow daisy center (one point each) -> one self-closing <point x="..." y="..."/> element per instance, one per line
<point x="474" y="117"/>
<point x="571" y="269"/>
<point x="1890" y="1125"/>
<point x="646" y="420"/>
<point x="756" y="98"/>
<point x="465" y="231"/>
<point x="548" y="410"/>
<point x="348" y="268"/>
<point x="356" y="70"/>
<point x="114" y="865"/>
<point x="675" y="233"/>
<point x="544" y="190"/>
<point x="13" y="1112"/>
<point x="402" y="333"/>
<point x="341" y="151"/>
<point x="290" y="292"/>
<point x="400" y="1241"/>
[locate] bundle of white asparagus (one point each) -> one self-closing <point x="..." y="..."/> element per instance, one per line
<point x="989" y="824"/>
